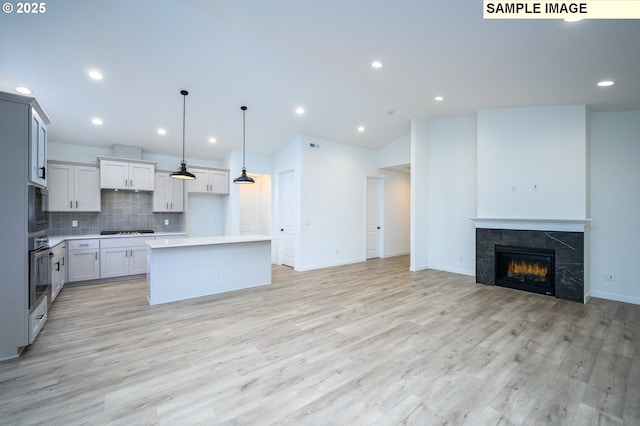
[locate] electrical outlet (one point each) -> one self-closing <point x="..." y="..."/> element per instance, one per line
<point x="166" y="221"/>
<point x="74" y="223"/>
<point x="609" y="277"/>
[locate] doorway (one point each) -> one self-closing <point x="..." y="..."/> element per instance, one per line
<point x="287" y="209"/>
<point x="375" y="202"/>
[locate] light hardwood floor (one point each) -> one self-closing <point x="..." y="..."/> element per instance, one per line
<point x="369" y="343"/>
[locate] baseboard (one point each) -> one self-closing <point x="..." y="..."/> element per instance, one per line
<point x="460" y="271"/>
<point x="399" y="253"/>
<point x="616" y="297"/>
<point x="327" y="265"/>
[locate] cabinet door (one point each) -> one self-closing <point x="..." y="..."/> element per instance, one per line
<point x="138" y="260"/>
<point x="176" y="201"/>
<point x="87" y="189"/>
<point x="114" y="262"/>
<point x="38" y="150"/>
<point x="57" y="275"/>
<point x="201" y="184"/>
<point x="161" y="192"/>
<point x="114" y="174"/>
<point x="61" y="191"/>
<point x="219" y="182"/>
<point x="141" y="176"/>
<point x="83" y="265"/>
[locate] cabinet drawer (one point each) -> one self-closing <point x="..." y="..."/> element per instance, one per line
<point x="83" y="244"/>
<point x="124" y="242"/>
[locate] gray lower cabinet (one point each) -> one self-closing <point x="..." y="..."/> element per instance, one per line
<point x="59" y="269"/>
<point x="122" y="260"/>
<point x="84" y="260"/>
<point x="96" y="258"/>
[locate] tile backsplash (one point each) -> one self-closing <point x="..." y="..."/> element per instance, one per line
<point x="121" y="211"/>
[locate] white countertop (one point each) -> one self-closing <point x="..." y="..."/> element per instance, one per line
<point x="54" y="241"/>
<point x="206" y="241"/>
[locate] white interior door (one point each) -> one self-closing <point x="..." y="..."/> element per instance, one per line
<point x="287" y="218"/>
<point x="373" y="218"/>
<point x="250" y="207"/>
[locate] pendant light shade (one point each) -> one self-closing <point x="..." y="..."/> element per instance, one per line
<point x="243" y="178"/>
<point x="182" y="173"/>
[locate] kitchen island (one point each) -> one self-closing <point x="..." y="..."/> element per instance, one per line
<point x="183" y="268"/>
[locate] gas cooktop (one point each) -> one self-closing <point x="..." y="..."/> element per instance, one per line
<point x="132" y="232"/>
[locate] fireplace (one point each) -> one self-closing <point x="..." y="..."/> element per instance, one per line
<point x="567" y="270"/>
<point x="524" y="268"/>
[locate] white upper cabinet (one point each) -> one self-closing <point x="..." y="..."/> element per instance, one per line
<point x="132" y="175"/>
<point x="209" y="181"/>
<point x="169" y="194"/>
<point x="38" y="149"/>
<point x="73" y="187"/>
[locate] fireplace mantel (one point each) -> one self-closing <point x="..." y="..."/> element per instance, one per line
<point x="565" y="225"/>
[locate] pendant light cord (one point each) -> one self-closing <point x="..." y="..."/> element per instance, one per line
<point x="184" y="108"/>
<point x="244" y="109"/>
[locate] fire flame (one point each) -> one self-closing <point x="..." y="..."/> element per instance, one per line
<point x="528" y="269"/>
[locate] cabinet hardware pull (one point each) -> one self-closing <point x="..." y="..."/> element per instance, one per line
<point x="171" y="206"/>
<point x="70" y="204"/>
<point x="167" y="206"/>
<point x="83" y="245"/>
<point x="40" y="317"/>
<point x="96" y="255"/>
<point x="62" y="261"/>
<point x="57" y="266"/>
<point x="131" y="182"/>
<point x="44" y="171"/>
<point x="76" y="204"/>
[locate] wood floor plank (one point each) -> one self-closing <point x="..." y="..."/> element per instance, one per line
<point x="368" y="343"/>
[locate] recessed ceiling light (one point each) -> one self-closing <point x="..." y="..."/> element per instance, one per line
<point x="376" y="64"/>
<point x="361" y="129"/>
<point x="299" y="110"/>
<point x="606" y="83"/>
<point x="162" y="132"/>
<point x="439" y="98"/>
<point x="96" y="121"/>
<point x="23" y="90"/>
<point x="212" y="140"/>
<point x="96" y="75"/>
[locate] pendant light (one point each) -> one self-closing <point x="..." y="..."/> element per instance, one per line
<point x="183" y="173"/>
<point x="243" y="178"/>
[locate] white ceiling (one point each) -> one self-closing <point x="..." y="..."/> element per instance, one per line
<point x="275" y="55"/>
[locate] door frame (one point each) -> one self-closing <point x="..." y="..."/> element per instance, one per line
<point x="380" y="212"/>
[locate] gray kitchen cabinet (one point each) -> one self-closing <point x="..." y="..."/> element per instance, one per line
<point x="73" y="187"/>
<point x="209" y="181"/>
<point x="38" y="148"/>
<point x="130" y="175"/>
<point x="59" y="269"/>
<point x="169" y="194"/>
<point x="123" y="256"/>
<point x="23" y="155"/>
<point x="84" y="260"/>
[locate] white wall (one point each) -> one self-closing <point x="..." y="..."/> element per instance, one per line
<point x="615" y="205"/>
<point x="522" y="147"/>
<point x="396" y="153"/>
<point x="451" y="190"/>
<point x="205" y="215"/>
<point x="419" y="234"/>
<point x="332" y="207"/>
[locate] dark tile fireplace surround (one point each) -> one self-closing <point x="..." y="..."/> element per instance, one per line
<point x="568" y="248"/>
